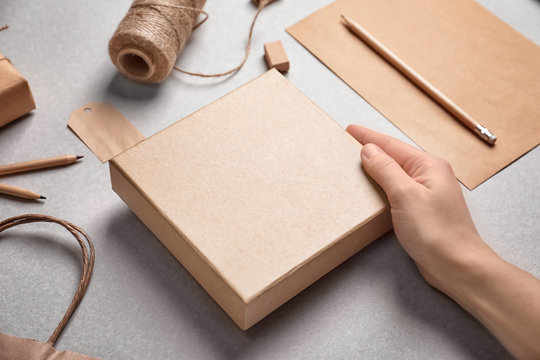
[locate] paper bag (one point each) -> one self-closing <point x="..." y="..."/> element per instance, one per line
<point x="15" y="348"/>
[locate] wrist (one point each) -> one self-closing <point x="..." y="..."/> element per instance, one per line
<point x="501" y="296"/>
<point x="468" y="272"/>
<point x="462" y="267"/>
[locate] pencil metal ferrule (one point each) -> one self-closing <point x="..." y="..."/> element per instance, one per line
<point x="485" y="134"/>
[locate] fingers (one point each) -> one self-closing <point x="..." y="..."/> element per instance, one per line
<point x="398" y="150"/>
<point x="385" y="171"/>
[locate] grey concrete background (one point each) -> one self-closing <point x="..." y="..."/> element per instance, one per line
<point x="141" y="303"/>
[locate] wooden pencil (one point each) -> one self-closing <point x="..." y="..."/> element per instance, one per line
<point x="19" y="192"/>
<point x="38" y="164"/>
<point x="419" y="81"/>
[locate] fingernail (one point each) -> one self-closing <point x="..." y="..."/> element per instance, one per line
<point x="369" y="150"/>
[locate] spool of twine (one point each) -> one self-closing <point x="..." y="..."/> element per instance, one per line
<point x="151" y="36"/>
<point x="148" y="40"/>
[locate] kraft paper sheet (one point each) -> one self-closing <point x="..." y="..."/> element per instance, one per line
<point x="474" y="58"/>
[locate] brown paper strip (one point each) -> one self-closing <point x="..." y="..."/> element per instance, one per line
<point x="482" y="64"/>
<point x="103" y="129"/>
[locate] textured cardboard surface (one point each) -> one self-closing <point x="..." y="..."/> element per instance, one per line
<point x="479" y="62"/>
<point x="15" y="95"/>
<point x="262" y="186"/>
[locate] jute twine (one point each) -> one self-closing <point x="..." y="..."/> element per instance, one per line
<point x="149" y="39"/>
<point x="3" y="28"/>
<point x="88" y="253"/>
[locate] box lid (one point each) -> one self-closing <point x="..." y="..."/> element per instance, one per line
<point x="258" y="182"/>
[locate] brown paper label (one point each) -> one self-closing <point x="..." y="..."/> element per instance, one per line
<point x="104" y="130"/>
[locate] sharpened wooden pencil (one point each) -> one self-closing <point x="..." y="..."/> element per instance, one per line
<point x="19" y="192"/>
<point x="419" y="81"/>
<point x="38" y="164"/>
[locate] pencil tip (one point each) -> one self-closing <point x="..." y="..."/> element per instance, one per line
<point x="42" y="197"/>
<point x="80" y="157"/>
<point x="346" y="21"/>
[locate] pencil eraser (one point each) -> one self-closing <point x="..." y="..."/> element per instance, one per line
<point x="276" y="57"/>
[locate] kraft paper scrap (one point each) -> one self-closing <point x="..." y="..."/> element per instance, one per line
<point x="474" y="58"/>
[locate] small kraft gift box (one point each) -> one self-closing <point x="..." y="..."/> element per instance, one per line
<point x="15" y="95"/>
<point x="258" y="195"/>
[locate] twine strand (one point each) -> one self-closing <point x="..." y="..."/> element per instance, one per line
<point x="199" y="11"/>
<point x="262" y="4"/>
<point x="1" y="29"/>
<point x="88" y="255"/>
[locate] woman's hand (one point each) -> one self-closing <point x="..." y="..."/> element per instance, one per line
<point x="432" y="223"/>
<point x="431" y="219"/>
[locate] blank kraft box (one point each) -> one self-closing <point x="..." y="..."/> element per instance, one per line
<point x="15" y="96"/>
<point x="258" y="195"/>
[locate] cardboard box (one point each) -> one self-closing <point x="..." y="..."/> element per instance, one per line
<point x="258" y="195"/>
<point x="15" y="95"/>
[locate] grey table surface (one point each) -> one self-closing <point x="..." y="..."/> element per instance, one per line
<point x="141" y="303"/>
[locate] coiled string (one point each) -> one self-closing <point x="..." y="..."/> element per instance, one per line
<point x="149" y="39"/>
<point x="88" y="253"/>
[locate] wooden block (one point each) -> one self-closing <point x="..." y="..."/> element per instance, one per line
<point x="276" y="57"/>
<point x="257" y="2"/>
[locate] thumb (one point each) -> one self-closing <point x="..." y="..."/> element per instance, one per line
<point x="384" y="170"/>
